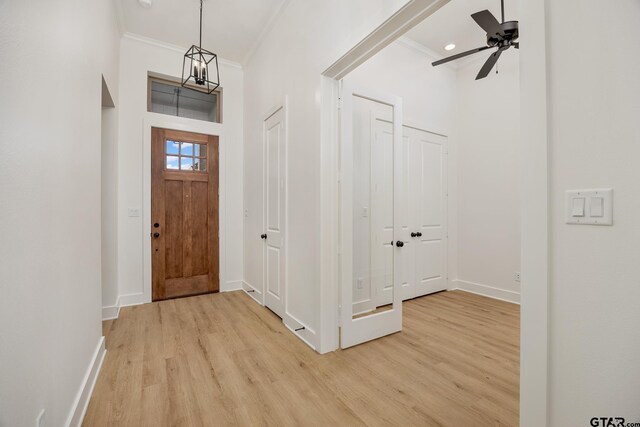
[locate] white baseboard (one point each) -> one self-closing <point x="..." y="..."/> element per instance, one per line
<point x="253" y="292"/>
<point x="232" y="285"/>
<point x="81" y="402"/>
<point x="133" y="299"/>
<point x="307" y="335"/>
<point x="485" y="290"/>
<point x="112" y="311"/>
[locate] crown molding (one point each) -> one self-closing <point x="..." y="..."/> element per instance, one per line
<point x="422" y="49"/>
<point x="267" y="28"/>
<point x="173" y="47"/>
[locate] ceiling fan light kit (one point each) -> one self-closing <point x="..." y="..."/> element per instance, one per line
<point x="500" y="36"/>
<point x="195" y="67"/>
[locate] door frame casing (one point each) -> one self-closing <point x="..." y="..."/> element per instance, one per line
<point x="156" y="120"/>
<point x="534" y="370"/>
<point x="408" y="16"/>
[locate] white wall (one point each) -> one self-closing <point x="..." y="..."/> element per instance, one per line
<point x="50" y="108"/>
<point x="487" y="133"/>
<point x="138" y="57"/>
<point x="594" y="112"/>
<point x="305" y="39"/>
<point x="428" y="93"/>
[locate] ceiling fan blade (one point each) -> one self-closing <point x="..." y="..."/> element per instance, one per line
<point x="460" y="55"/>
<point x="489" y="64"/>
<point x="488" y="22"/>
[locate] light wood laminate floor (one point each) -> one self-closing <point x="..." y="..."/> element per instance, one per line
<point x="222" y="359"/>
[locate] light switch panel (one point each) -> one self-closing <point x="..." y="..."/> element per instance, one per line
<point x="589" y="207"/>
<point x="134" y="212"/>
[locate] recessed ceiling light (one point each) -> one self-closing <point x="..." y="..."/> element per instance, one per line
<point x="450" y="46"/>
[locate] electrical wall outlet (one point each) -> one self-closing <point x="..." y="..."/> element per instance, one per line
<point x="517" y="276"/>
<point x="360" y="280"/>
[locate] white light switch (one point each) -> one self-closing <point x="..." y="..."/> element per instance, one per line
<point x="589" y="207"/>
<point x="596" y="206"/>
<point x="577" y="206"/>
<point x="134" y="212"/>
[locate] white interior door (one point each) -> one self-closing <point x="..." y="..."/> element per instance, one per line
<point x="371" y="257"/>
<point x="429" y="190"/>
<point x="274" y="211"/>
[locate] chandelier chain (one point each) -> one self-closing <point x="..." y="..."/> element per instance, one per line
<point x="200" y="45"/>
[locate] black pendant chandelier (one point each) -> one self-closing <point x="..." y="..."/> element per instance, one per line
<point x="195" y="66"/>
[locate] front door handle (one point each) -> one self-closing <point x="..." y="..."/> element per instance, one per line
<point x="263" y="236"/>
<point x="399" y="243"/>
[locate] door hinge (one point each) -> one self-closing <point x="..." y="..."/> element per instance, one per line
<point x="339" y="177"/>
<point x="340" y="315"/>
<point x="339" y="103"/>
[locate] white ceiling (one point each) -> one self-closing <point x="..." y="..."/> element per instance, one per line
<point x="230" y="27"/>
<point x="453" y="24"/>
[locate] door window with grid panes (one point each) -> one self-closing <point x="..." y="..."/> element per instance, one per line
<point x="186" y="156"/>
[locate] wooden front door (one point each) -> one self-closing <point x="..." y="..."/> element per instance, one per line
<point x="184" y="214"/>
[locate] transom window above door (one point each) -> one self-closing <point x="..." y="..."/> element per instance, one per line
<point x="166" y="96"/>
<point x="185" y="156"/>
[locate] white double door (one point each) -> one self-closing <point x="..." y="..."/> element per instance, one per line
<point x="421" y="207"/>
<point x="423" y="213"/>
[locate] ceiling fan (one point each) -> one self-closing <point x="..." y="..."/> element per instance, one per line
<point x="499" y="35"/>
